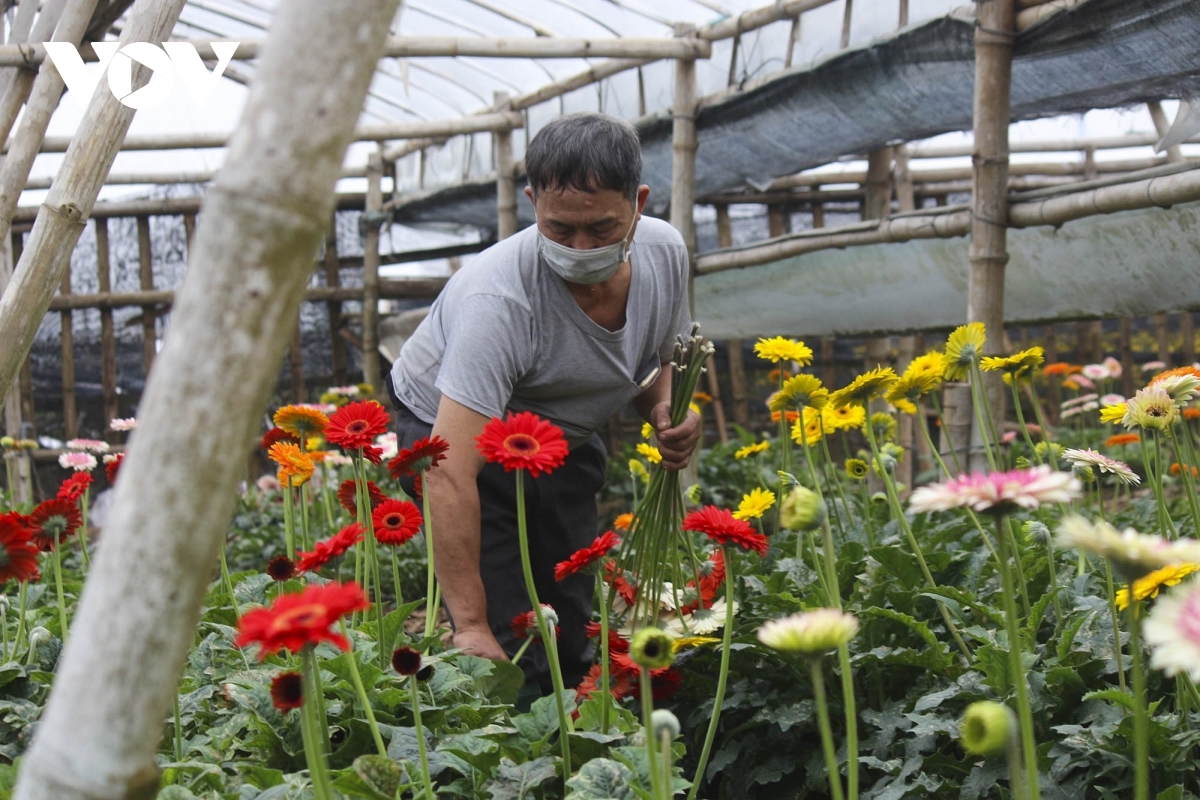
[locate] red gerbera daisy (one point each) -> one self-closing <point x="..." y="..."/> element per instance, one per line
<point x="712" y="575"/>
<point x="615" y="643"/>
<point x="524" y="626"/>
<point x="373" y="454"/>
<point x="623" y="664"/>
<point x="111" y="464"/>
<point x="325" y="551"/>
<point x="587" y="556"/>
<point x="418" y="486"/>
<point x="295" y="620"/>
<point x="523" y="441"/>
<point x="396" y="521"/>
<point x="663" y="685"/>
<point x="406" y="661"/>
<point x="356" y="425"/>
<point x="18" y="555"/>
<point x="619" y="685"/>
<point x="281" y="568"/>
<point x="53" y="521"/>
<point x="719" y="525"/>
<point x="620" y="585"/>
<point x="287" y="691"/>
<point x="425" y="454"/>
<point x="346" y="495"/>
<point x="73" y="487"/>
<point x="277" y="435"/>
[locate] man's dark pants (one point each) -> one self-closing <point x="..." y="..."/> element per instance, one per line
<point x="561" y="517"/>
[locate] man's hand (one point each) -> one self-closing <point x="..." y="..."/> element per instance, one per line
<point x="479" y="642"/>
<point x="675" y="444"/>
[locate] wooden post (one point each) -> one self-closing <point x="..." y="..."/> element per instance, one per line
<point x="108" y="338"/>
<point x="22" y="492"/>
<point x="1187" y="330"/>
<point x="1159" y="117"/>
<point x="146" y="277"/>
<point x="779" y="221"/>
<point x="905" y="200"/>
<point x="683" y="149"/>
<point x="957" y="426"/>
<point x="989" y="197"/>
<point x="1163" y="335"/>
<point x="372" y="372"/>
<point x="903" y="13"/>
<point x="877" y="204"/>
<point x="737" y="362"/>
<point x="905" y="469"/>
<point x="333" y="278"/>
<point x="1127" y="366"/>
<point x="506" y="184"/>
<point x="296" y="365"/>
<point x="714" y="391"/>
<point x="262" y="224"/>
<point x="846" y="15"/>
<point x="1096" y="340"/>
<point x="67" y="337"/>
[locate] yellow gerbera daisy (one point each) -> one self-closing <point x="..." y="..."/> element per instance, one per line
<point x="778" y="349"/>
<point x="1113" y="413"/>
<point x="864" y="387"/>
<point x="638" y="470"/>
<point x="883" y="426"/>
<point x="845" y="418"/>
<point x="802" y="390"/>
<point x="932" y="364"/>
<point x="651" y="453"/>
<point x="1016" y="363"/>
<point x="964" y="348"/>
<point x="813" y="427"/>
<point x="301" y="421"/>
<point x="647" y="430"/>
<point x="755" y="504"/>
<point x="1148" y="585"/>
<point x="856" y="468"/>
<point x="751" y="449"/>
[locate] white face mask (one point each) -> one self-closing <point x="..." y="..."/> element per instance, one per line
<point x="585" y="266"/>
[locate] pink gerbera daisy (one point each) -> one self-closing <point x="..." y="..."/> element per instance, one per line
<point x="998" y="492"/>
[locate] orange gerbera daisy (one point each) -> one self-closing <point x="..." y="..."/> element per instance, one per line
<point x="1060" y="368"/>
<point x="623" y="521"/>
<point x="1122" y="439"/>
<point x="356" y="425"/>
<point x="293" y="463"/>
<point x="301" y="421"/>
<point x="523" y="441"/>
<point x="1176" y="468"/>
<point x="792" y="416"/>
<point x="1162" y="376"/>
<point x="1191" y="413"/>
<point x="720" y="526"/>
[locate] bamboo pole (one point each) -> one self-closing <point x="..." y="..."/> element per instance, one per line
<point x="22" y="491"/>
<point x="264" y="219"/>
<point x="906" y="351"/>
<point x="737" y="364"/>
<point x="146" y="279"/>
<point x="1187" y="330"/>
<point x="162" y="299"/>
<point x="683" y="150"/>
<point x="1043" y="11"/>
<point x="1162" y="334"/>
<point x="877" y="204"/>
<point x="67" y="340"/>
<point x="68" y="205"/>
<point x="1096" y="341"/>
<point x="372" y="372"/>
<point x="506" y="184"/>
<point x="988" y="253"/>
<point x="19" y="81"/>
<point x="296" y="366"/>
<point x="155" y="178"/>
<point x="758" y="18"/>
<point x="333" y="279"/>
<point x="844" y="42"/>
<point x="714" y="391"/>
<point x="1066" y="145"/>
<point x="35" y="119"/>
<point x="108" y="338"/>
<point x="1125" y="337"/>
<point x="1162" y="125"/>
<point x="166" y="206"/>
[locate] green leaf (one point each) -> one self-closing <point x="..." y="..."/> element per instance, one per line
<point x="601" y="779"/>
<point x="176" y="793"/>
<point x="341" y="667"/>
<point x="503" y="682"/>
<point x="1123" y="699"/>
<point x="542" y="719"/>
<point x="379" y="773"/>
<point x="994" y="663"/>
<point x="393" y="626"/>
<point x="1173" y="793"/>
<point x="619" y="718"/>
<point x="515" y="781"/>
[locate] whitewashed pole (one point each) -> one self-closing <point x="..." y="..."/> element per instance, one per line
<point x="63" y="215"/>
<point x="506" y="184"/>
<point x="263" y="221"/>
<point x="373" y="208"/>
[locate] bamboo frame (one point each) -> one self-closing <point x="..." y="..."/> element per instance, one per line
<point x="372" y="372"/>
<point x="146" y="279"/>
<point x="506" y="182"/>
<point x="67" y="340"/>
<point x="108" y="339"/>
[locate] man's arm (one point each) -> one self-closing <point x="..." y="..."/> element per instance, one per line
<point x="654" y="405"/>
<point x="454" y="505"/>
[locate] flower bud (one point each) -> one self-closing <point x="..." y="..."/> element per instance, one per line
<point x="986" y="728"/>
<point x="802" y="510"/>
<point x="652" y="648"/>
<point x="7" y="441"/>
<point x="663" y="722"/>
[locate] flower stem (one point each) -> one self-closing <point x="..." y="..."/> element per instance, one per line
<point x="83" y="527"/>
<point x="937" y="407"/>
<point x="1185" y="471"/>
<point x="1164" y="519"/>
<point x="521" y="650"/>
<point x="19" y="636"/>
<point x="1141" y="715"/>
<point x="722" y="677"/>
<point x="356" y="679"/>
<point x="1116" y="627"/>
<point x="414" y="691"/>
<point x="831" y="762"/>
<point x="229" y="584"/>
<point x="311" y="725"/>
<point x="58" y="586"/>
<point x="547" y="633"/>
<point x="431" y="610"/>
<point x="289" y="532"/>
<point x="1015" y="667"/>
<point x="1021" y="421"/>
<point x="605" y="677"/>
<point x="396" y="581"/>
<point x="178" y="732"/>
<point x="982" y="413"/>
<point x="647" y="693"/>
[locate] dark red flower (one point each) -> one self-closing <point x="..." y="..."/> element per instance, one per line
<point x="587" y="556"/>
<point x="18" y="554"/>
<point x="719" y="525"/>
<point x="281" y="568"/>
<point x="295" y="620"/>
<point x="53" y="521"/>
<point x="356" y="425"/>
<point x="524" y="626"/>
<point x="615" y="643"/>
<point x="347" y="495"/>
<point x="287" y="691"/>
<point x="523" y="441"/>
<point x="73" y="487"/>
<point x="619" y="685"/>
<point x="620" y="585"/>
<point x="373" y="454"/>
<point x="623" y="664"/>
<point x="325" y="551"/>
<point x="277" y="435"/>
<point x="425" y="454"/>
<point x="406" y="661"/>
<point x="418" y="486"/>
<point x="396" y="521"/>
<point x="663" y="684"/>
<point x="111" y="465"/>
<point x="712" y="575"/>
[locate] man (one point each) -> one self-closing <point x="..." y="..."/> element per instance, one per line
<point x="570" y="319"/>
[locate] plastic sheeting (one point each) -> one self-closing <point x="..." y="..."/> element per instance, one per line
<point x="911" y="85"/>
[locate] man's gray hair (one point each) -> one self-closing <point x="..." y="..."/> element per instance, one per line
<point x="586" y="152"/>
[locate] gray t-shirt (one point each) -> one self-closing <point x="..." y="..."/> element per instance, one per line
<point x="506" y="335"/>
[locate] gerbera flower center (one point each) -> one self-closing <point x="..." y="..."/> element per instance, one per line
<point x="358" y="426"/>
<point x="301" y="617"/>
<point x="522" y="444"/>
<point x="393" y="520"/>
